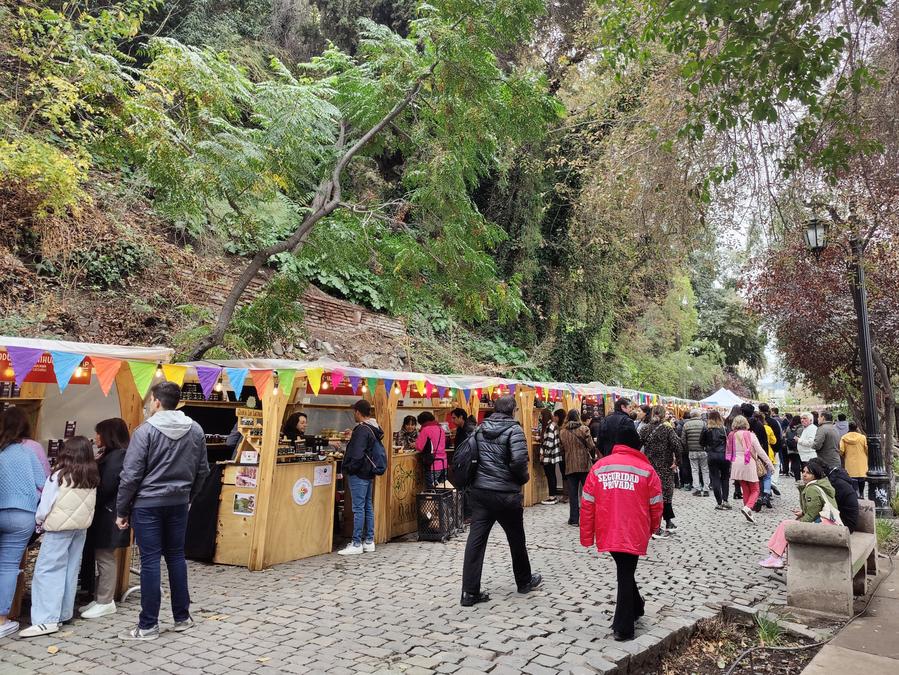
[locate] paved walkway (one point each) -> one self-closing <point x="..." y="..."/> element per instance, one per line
<point x="397" y="610"/>
<point x="870" y="644"/>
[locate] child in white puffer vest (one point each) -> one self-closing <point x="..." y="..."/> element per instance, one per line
<point x="65" y="512"/>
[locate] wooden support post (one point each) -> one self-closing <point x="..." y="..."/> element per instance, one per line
<point x="273" y="406"/>
<point x="385" y="406"/>
<point x="536" y="488"/>
<point x="131" y="409"/>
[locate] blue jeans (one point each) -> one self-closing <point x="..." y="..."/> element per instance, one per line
<point x="362" y="491"/>
<point x="159" y="531"/>
<point x="765" y="482"/>
<point x="56" y="576"/>
<point x="16" y="527"/>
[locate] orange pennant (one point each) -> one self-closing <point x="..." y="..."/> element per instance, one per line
<point x="106" y="370"/>
<point x="260" y="380"/>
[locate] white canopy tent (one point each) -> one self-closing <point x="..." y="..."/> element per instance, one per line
<point x="723" y="398"/>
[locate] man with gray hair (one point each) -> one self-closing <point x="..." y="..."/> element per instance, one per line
<point x="495" y="496"/>
<point x="827" y="440"/>
<point x="699" y="458"/>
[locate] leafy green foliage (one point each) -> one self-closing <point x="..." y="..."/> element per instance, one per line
<point x="769" y="629"/>
<point x="750" y="62"/>
<point x="51" y="177"/>
<point x="275" y="314"/>
<point x="884" y="529"/>
<point x="110" y="265"/>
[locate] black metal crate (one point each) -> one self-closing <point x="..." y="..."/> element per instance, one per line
<point x="436" y="514"/>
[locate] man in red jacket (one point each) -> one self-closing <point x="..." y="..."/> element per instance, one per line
<point x="621" y="507"/>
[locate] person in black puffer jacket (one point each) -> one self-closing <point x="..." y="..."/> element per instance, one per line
<point x="847" y="496"/>
<point x="714" y="440"/>
<point x="495" y="496"/>
<point x="612" y="425"/>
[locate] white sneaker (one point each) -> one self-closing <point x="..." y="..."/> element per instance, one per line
<point x="39" y="629"/>
<point x="8" y="628"/>
<point x="549" y="501"/>
<point x="86" y="607"/>
<point x="98" y="610"/>
<point x="368" y="547"/>
<point x="351" y="549"/>
<point x="746" y="511"/>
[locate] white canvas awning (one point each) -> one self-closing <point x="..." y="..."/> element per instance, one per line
<point x="163" y="354"/>
<point x="723" y="398"/>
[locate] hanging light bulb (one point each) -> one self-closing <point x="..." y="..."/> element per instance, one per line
<point x="218" y="385"/>
<point x="325" y="384"/>
<point x="364" y="388"/>
<point x="450" y="392"/>
<point x="79" y="371"/>
<point x="396" y="389"/>
<point x="275" y="388"/>
<point x="158" y="370"/>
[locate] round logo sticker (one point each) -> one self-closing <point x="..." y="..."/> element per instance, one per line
<point x="302" y="491"/>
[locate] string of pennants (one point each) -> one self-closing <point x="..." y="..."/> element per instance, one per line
<point x="64" y="368"/>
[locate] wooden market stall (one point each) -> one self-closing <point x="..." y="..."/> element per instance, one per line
<point x="68" y="387"/>
<point x="276" y="502"/>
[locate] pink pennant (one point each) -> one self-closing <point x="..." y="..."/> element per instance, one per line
<point x="429" y="389"/>
<point x="336" y="379"/>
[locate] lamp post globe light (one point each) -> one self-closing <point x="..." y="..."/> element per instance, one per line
<point x="877" y="477"/>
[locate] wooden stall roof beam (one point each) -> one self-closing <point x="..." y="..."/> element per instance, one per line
<point x="273" y="406"/>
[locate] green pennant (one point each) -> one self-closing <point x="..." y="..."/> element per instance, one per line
<point x="143" y="373"/>
<point x="285" y="381"/>
<point x="372" y="384"/>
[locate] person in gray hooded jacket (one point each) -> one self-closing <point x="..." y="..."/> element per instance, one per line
<point x="165" y="467"/>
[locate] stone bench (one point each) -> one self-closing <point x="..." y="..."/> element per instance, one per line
<point x="828" y="566"/>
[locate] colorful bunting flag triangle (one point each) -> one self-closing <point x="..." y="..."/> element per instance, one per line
<point x="236" y="376"/>
<point x="372" y="384"/>
<point x="142" y="372"/>
<point x="208" y="376"/>
<point x="404" y="386"/>
<point x="286" y="378"/>
<point x="354" y="383"/>
<point x="23" y="360"/>
<point x="106" y="370"/>
<point x="314" y="378"/>
<point x="336" y="378"/>
<point x="260" y="381"/>
<point x="64" y="365"/>
<point x="173" y="373"/>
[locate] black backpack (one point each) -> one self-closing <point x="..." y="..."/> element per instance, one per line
<point x="376" y="455"/>
<point x="465" y="461"/>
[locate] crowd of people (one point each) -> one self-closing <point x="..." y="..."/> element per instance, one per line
<point x="618" y="476"/>
<point x="88" y="505"/>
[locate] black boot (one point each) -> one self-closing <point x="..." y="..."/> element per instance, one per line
<point x="471" y="599"/>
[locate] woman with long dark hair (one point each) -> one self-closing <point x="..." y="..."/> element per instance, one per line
<point x="21" y="479"/>
<point x="663" y="450"/>
<point x="714" y="441"/>
<point x="65" y="512"/>
<point x="550" y="452"/>
<point x="103" y="536"/>
<point x="579" y="450"/>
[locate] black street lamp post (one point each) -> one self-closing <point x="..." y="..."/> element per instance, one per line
<point x="877" y="477"/>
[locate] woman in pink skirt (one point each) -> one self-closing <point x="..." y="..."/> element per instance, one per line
<point x="819" y="505"/>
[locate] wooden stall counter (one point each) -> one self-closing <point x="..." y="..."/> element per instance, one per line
<point x="406" y="481"/>
<point x="302" y="523"/>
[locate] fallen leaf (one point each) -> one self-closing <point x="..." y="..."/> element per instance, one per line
<point x="263" y="659"/>
<point x="52" y="649"/>
<point x="216" y="617"/>
<point x="67" y="633"/>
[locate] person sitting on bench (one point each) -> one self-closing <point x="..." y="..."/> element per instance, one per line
<point x="819" y="505"/>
